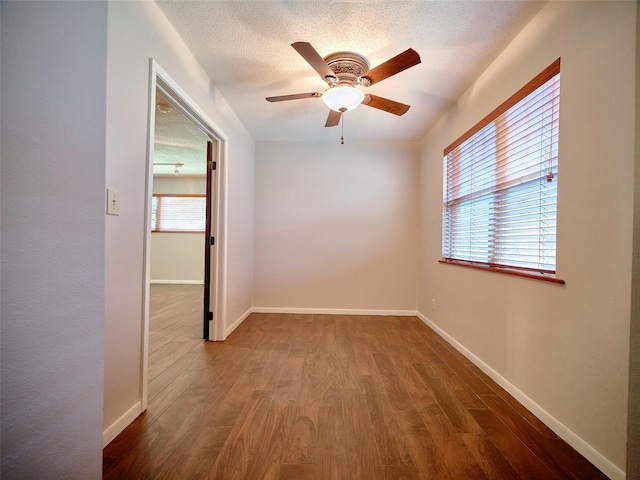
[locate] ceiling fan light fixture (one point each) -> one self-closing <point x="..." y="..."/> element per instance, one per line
<point x="342" y="98"/>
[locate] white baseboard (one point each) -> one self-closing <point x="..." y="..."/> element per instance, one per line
<point x="317" y="311"/>
<point x="119" y="425"/>
<point x="235" y="324"/>
<point x="178" y="282"/>
<point x="582" y="447"/>
<point x="336" y="311"/>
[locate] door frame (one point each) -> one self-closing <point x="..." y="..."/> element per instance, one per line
<point x="159" y="78"/>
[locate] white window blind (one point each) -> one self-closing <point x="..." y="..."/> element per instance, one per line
<point x="178" y="213"/>
<point x="501" y="183"/>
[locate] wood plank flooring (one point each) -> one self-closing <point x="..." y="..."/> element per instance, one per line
<point x="319" y="397"/>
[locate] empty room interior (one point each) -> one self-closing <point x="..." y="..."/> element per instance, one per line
<point x="310" y="240"/>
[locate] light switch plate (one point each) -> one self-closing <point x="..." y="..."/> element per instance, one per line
<point x="113" y="202"/>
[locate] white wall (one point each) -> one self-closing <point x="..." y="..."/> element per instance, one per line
<point x="633" y="422"/>
<point x="53" y="226"/>
<point x="178" y="257"/>
<point x="336" y="226"/>
<point x="180" y="184"/>
<point x="565" y="348"/>
<point x="139" y="31"/>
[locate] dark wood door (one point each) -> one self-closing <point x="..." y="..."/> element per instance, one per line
<point x="209" y="241"/>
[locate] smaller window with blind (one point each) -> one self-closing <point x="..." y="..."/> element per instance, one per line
<point x="178" y="213"/>
<point x="500" y="185"/>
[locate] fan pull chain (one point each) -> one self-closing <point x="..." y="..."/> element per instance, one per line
<point x="342" y="137"/>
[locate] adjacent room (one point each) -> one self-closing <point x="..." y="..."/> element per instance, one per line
<point x="332" y="239"/>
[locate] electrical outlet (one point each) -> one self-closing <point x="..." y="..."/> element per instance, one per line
<point x="113" y="202"/>
<point x="433" y="304"/>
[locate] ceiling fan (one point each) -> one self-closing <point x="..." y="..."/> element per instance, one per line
<point x="344" y="72"/>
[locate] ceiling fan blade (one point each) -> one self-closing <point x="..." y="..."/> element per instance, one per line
<point x="333" y="119"/>
<point x="314" y="59"/>
<point x="400" y="62"/>
<point x="296" y="96"/>
<point x="385" y="104"/>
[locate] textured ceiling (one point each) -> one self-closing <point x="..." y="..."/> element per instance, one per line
<point x="177" y="140"/>
<point x="244" y="46"/>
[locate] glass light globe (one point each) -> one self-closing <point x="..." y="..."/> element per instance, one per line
<point x="342" y="98"/>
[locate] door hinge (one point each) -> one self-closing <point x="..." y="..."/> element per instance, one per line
<point x="213" y="165"/>
<point x="212" y="240"/>
<point x="210" y="316"/>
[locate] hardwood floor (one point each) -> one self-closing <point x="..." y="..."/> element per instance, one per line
<point x="297" y="397"/>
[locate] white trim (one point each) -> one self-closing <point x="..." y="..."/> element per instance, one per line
<point x="177" y="282"/>
<point x="220" y="303"/>
<point x="317" y="311"/>
<point x="237" y="323"/>
<point x="582" y="447"/>
<point x="335" y="311"/>
<point x="125" y="420"/>
<point x="119" y="425"/>
<point x="146" y="260"/>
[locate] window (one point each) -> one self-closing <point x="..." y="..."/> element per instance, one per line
<point x="501" y="185"/>
<point x="178" y="213"/>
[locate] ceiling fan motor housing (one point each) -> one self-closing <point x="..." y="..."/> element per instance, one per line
<point x="349" y="68"/>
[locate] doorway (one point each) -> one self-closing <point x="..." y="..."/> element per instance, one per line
<point x="179" y="197"/>
<point x="185" y="197"/>
<point x="180" y="209"/>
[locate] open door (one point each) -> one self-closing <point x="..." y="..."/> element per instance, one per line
<point x="209" y="244"/>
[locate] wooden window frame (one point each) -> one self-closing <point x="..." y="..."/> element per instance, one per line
<point x="539" y="274"/>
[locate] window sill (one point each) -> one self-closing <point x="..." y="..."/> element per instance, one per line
<point x="546" y="277"/>
<point x="176" y="231"/>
